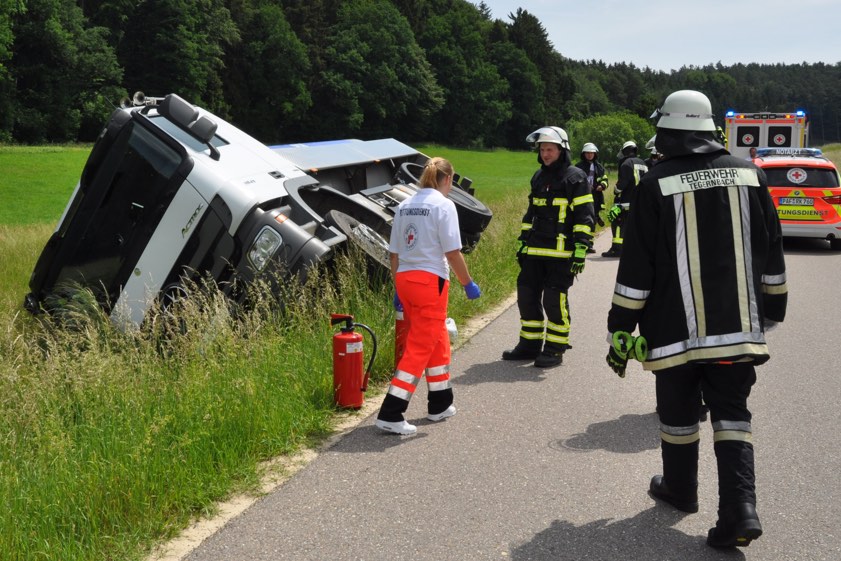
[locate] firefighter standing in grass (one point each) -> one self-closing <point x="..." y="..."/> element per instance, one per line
<point x="631" y="169"/>
<point x="557" y="229"/>
<point x="425" y="242"/>
<point x="702" y="274"/>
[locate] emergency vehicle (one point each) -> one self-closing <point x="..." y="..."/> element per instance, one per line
<point x="806" y="189"/>
<point x="171" y="193"/>
<point x="765" y="129"/>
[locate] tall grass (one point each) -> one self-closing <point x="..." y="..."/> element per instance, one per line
<point x="111" y="441"/>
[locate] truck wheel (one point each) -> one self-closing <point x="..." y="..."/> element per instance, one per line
<point x="473" y="215"/>
<point x="374" y="244"/>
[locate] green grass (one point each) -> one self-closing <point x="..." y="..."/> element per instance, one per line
<point x="37" y="181"/>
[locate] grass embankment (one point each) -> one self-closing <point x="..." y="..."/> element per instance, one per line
<point x="110" y="441"/>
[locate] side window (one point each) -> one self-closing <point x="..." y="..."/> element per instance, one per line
<point x="747" y="135"/>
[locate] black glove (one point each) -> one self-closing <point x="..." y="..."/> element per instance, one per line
<point x="616" y="361"/>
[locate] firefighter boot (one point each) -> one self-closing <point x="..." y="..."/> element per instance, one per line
<point x="678" y="486"/>
<point x="737" y="526"/>
<point x="659" y="490"/>
<point x="549" y="358"/>
<point x="614" y="251"/>
<point x="521" y="352"/>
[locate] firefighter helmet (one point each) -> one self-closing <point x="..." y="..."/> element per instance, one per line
<point x="627" y="149"/>
<point x="685" y="110"/>
<point x="555" y="135"/>
<point x="590" y="147"/>
<point x="650" y="145"/>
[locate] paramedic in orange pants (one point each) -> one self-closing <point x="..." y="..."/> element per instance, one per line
<point x="425" y="243"/>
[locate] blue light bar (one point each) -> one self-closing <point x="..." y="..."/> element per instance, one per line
<point x="800" y="113"/>
<point x="730" y="113"/>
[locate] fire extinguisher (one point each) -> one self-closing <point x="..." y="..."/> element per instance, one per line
<point x="401" y="332"/>
<point x="349" y="381"/>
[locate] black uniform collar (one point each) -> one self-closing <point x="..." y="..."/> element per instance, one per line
<point x="672" y="142"/>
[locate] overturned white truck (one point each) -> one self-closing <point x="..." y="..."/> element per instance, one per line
<point x="172" y="192"/>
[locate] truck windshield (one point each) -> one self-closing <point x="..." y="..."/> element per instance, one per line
<point x="123" y="203"/>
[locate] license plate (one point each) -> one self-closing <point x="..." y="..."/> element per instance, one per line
<point x="797" y="201"/>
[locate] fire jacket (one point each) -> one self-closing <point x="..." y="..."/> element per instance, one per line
<point x="599" y="175"/>
<point x="560" y="212"/>
<point x="702" y="268"/>
<point x="631" y="169"/>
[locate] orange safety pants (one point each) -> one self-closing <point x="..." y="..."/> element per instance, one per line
<point x="424" y="297"/>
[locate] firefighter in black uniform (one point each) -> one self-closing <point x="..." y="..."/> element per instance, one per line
<point x="631" y="169"/>
<point x="653" y="156"/>
<point x="596" y="178"/>
<point x="702" y="274"/>
<point x="557" y="229"/>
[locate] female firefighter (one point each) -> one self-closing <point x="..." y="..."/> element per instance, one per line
<point x="425" y="242"/>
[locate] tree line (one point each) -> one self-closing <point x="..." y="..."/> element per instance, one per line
<point x="441" y="71"/>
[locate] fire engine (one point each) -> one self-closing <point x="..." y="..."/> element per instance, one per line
<point x="763" y="128"/>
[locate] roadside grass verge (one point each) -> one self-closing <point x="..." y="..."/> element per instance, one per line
<point x="111" y="442"/>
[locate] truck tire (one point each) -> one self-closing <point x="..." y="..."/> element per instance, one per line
<point x="473" y="215"/>
<point x="370" y="241"/>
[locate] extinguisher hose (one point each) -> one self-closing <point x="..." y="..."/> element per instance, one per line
<point x="373" y="354"/>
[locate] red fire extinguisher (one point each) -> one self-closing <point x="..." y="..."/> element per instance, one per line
<point x="401" y="332"/>
<point x="349" y="381"/>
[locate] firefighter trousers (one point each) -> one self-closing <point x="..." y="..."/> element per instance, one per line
<point x="424" y="297"/>
<point x="725" y="389"/>
<point x="542" y="298"/>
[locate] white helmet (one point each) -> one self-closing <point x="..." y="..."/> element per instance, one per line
<point x="555" y="135"/>
<point x="686" y="110"/>
<point x="590" y="147"/>
<point x="650" y="145"/>
<point x="628" y="144"/>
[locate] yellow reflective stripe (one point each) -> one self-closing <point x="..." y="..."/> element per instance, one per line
<point x="628" y="303"/>
<point x="709" y="354"/>
<point x="525" y="226"/>
<point x="582" y="228"/>
<point x="583" y="199"/>
<point x="686" y="439"/>
<point x="741" y="277"/>
<point x="538" y="202"/>
<point x="775" y="288"/>
<point x="532" y="335"/>
<point x="694" y="256"/>
<point x="732" y="435"/>
<point x="532" y="323"/>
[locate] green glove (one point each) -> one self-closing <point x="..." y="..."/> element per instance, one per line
<point x="625" y="346"/>
<point x="616" y="361"/>
<point x="614" y="213"/>
<point x="579" y="256"/>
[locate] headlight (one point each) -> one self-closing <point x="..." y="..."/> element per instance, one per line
<point x="264" y="246"/>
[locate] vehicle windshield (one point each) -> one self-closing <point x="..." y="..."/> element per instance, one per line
<point x="792" y="177"/>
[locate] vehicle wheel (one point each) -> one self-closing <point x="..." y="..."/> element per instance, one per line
<point x="473" y="215"/>
<point x="835" y="244"/>
<point x="372" y="242"/>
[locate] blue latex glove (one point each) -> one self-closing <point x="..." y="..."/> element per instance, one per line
<point x="472" y="290"/>
<point x="398" y="306"/>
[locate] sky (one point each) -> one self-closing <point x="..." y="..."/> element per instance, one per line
<point x="668" y="34"/>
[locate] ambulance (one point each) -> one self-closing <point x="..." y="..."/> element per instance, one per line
<point x="765" y="129"/>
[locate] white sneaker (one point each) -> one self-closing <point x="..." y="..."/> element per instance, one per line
<point x="448" y="412"/>
<point x="398" y="427"/>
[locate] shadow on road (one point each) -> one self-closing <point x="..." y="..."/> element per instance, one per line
<point x="647" y="536"/>
<point x="503" y="371"/>
<point x="629" y="434"/>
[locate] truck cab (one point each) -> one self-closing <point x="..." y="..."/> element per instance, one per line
<point x="171" y="192"/>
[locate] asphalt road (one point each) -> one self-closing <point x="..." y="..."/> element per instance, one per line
<point x="544" y="465"/>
